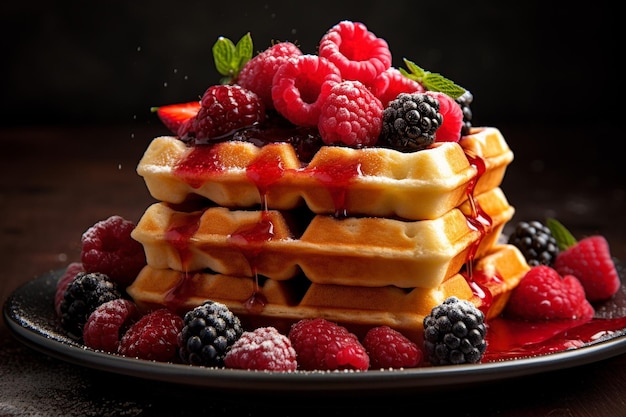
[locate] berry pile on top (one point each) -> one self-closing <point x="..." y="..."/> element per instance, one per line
<point x="348" y="94"/>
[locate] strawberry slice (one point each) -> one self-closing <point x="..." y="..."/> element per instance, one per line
<point x="590" y="261"/>
<point x="174" y="115"/>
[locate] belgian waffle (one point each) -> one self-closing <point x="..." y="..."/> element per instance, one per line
<point x="354" y="251"/>
<point x="376" y="182"/>
<point x="280" y="303"/>
<point x="363" y="237"/>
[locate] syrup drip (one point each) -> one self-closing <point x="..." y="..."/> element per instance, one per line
<point x="480" y="282"/>
<point x="249" y="240"/>
<point x="336" y="178"/>
<point x="178" y="234"/>
<point x="197" y="164"/>
<point x="481" y="222"/>
<point x="265" y="171"/>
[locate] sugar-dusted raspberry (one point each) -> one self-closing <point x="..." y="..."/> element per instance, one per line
<point x="543" y="295"/>
<point x="590" y="261"/>
<point x="301" y="85"/>
<point x="153" y="336"/>
<point x="264" y="349"/>
<point x="224" y="109"/>
<point x="258" y="73"/>
<point x="323" y="345"/>
<point x="68" y="276"/>
<point x="388" y="348"/>
<point x="107" y="247"/>
<point x="356" y="51"/>
<point x="108" y="322"/>
<point x="351" y="115"/>
<point x="450" y="129"/>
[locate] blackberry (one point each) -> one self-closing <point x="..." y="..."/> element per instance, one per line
<point x="454" y="333"/>
<point x="410" y="122"/>
<point x="82" y="296"/>
<point x="534" y="239"/>
<point x="465" y="102"/>
<point x="209" y="332"/>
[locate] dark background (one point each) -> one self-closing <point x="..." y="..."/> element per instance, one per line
<point x="77" y="62"/>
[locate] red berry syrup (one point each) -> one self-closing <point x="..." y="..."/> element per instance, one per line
<point x="336" y="178"/>
<point x="198" y="164"/>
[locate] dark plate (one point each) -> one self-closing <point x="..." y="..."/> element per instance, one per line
<point x="30" y="315"/>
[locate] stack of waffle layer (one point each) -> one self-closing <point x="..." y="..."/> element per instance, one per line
<point x="362" y="237"/>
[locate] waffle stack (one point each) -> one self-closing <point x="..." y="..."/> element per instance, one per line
<point x="363" y="237"/>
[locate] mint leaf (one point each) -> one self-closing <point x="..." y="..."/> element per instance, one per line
<point x="564" y="239"/>
<point x="431" y="81"/>
<point x="230" y="58"/>
<point x="223" y="53"/>
<point x="437" y="82"/>
<point x="243" y="52"/>
<point x="416" y="73"/>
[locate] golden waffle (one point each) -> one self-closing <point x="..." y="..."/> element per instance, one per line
<point x="280" y="303"/>
<point x="373" y="181"/>
<point x="364" y="251"/>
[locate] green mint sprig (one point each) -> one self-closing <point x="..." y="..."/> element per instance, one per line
<point x="230" y="58"/>
<point x="564" y="239"/>
<point x="431" y="81"/>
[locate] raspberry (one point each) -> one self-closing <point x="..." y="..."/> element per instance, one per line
<point x="454" y="333"/>
<point x="536" y="242"/>
<point x="264" y="349"/>
<point x="257" y="74"/>
<point x="390" y="83"/>
<point x="301" y="85"/>
<point x="350" y="115"/>
<point x="388" y="348"/>
<point x="224" y="109"/>
<point x="107" y="247"/>
<point x="543" y="295"/>
<point x="108" y="322"/>
<point x="358" y="53"/>
<point x="410" y="122"/>
<point x="324" y="345"/>
<point x="152" y="337"/>
<point x="209" y="332"/>
<point x="450" y="129"/>
<point x="68" y="276"/>
<point x="82" y="296"/>
<point x="590" y="261"/>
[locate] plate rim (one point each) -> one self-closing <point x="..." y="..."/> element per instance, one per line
<point x="410" y="378"/>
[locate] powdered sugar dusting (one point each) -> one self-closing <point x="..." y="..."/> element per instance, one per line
<point x="262" y="349"/>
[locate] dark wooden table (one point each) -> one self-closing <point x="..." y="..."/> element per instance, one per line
<point x="57" y="181"/>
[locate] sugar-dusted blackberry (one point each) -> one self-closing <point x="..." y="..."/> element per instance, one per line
<point x="465" y="102"/>
<point x="209" y="332"/>
<point x="82" y="296"/>
<point x="410" y="122"/>
<point x="536" y="242"/>
<point x="454" y="333"/>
